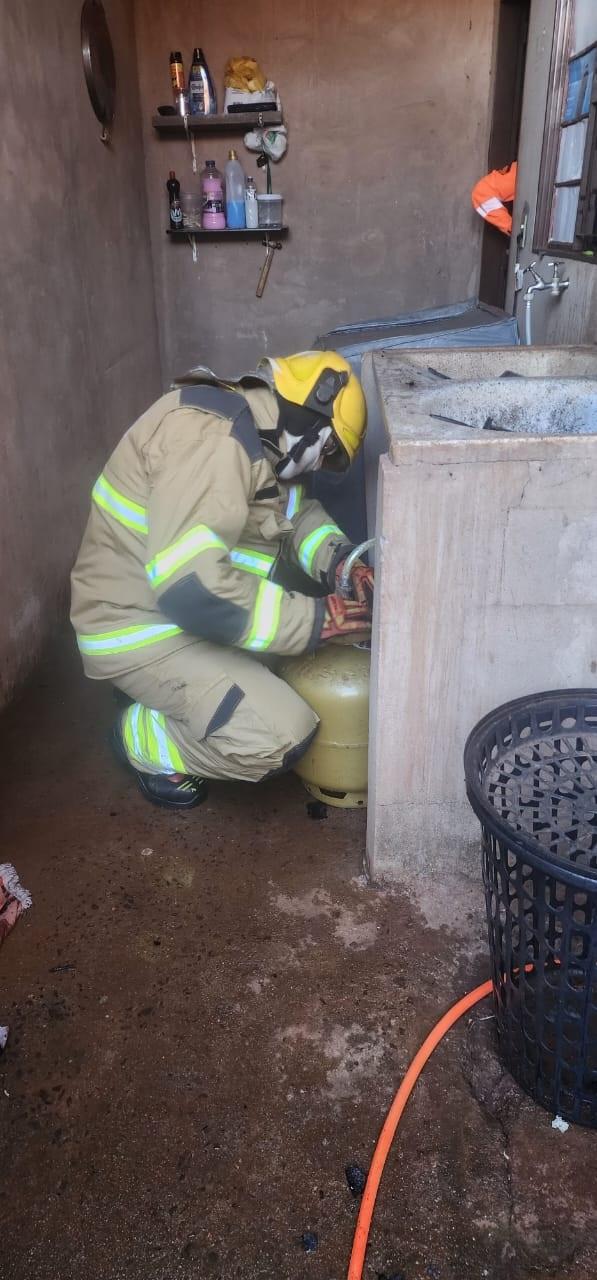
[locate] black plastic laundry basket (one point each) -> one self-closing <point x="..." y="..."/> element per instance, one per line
<point x="531" y="778"/>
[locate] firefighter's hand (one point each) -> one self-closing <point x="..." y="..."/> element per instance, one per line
<point x="362" y="581"/>
<point x="346" y="619"/>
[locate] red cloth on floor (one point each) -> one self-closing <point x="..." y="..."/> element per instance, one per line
<point x="13" y="899"/>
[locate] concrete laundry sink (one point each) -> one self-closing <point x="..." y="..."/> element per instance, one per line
<point x="486" y="584"/>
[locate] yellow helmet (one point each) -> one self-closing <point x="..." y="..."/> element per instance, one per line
<point x="324" y="383"/>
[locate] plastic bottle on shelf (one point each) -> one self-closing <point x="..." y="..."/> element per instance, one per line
<point x="251" y="206"/>
<point x="212" y="198"/>
<point x="177" y="75"/>
<point x="173" y="189"/>
<point x="235" y="192"/>
<point x="202" y="95"/>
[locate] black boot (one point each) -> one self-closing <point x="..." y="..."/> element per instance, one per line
<point x="161" y="788"/>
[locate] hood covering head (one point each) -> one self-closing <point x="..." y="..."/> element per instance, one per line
<point x="321" y="412"/>
<point x="321" y="409"/>
<point x="305" y="441"/>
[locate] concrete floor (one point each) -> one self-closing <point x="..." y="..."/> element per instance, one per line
<point x="236" y="1009"/>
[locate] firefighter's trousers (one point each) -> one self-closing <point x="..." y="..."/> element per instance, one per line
<point x="216" y="712"/>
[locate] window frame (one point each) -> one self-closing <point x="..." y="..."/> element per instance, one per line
<point x="587" y="204"/>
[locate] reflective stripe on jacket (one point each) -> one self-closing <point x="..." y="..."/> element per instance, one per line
<point x="188" y="526"/>
<point x="492" y="193"/>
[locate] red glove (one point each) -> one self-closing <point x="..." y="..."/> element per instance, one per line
<point x="345" y="619"/>
<point x="362" y="582"/>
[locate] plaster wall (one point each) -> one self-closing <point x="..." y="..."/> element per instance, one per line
<point x="387" y="106"/>
<point x="78" y="335"/>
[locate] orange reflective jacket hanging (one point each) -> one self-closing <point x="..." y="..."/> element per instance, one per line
<point x="491" y="195"/>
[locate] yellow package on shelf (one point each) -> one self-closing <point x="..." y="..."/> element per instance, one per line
<point x="244" y="74"/>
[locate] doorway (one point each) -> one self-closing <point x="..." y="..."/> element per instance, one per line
<point x="513" y="27"/>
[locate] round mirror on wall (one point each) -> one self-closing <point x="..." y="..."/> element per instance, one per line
<point x="98" y="63"/>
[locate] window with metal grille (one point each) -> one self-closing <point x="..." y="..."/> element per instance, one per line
<point x="566" y="219"/>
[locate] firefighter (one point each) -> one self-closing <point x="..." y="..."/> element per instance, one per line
<point x="491" y="195"/>
<point x="204" y="556"/>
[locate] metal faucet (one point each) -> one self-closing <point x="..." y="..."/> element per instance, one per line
<point x="556" y="286"/>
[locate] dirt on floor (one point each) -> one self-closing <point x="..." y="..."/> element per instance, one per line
<point x="209" y="1017"/>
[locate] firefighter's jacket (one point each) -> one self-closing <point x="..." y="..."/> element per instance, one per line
<point x="491" y="195"/>
<point x="188" y="533"/>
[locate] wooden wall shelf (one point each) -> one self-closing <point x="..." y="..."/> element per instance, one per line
<point x="229" y="233"/>
<point x="174" y="126"/>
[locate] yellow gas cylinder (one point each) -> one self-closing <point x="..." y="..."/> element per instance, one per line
<point x="335" y="682"/>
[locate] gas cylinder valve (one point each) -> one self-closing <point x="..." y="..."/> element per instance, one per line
<point x="344" y="586"/>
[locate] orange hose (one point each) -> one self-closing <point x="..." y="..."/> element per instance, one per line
<point x="392" y="1120"/>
